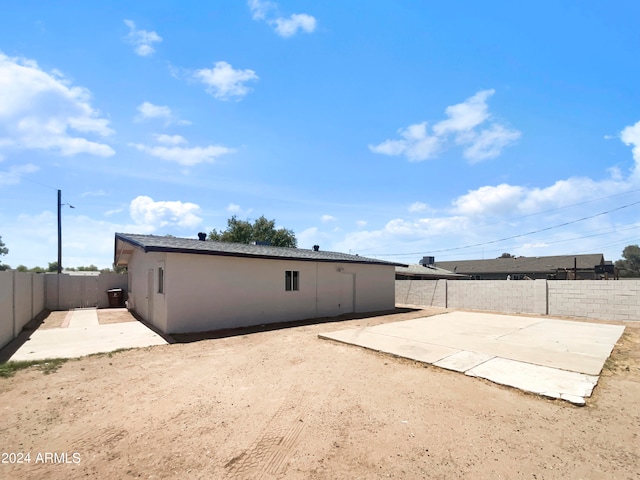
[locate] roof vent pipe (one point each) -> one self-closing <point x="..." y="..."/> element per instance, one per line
<point x="202" y="236"/>
<point x="316" y="248"/>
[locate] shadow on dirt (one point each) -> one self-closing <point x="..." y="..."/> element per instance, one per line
<point x="234" y="332"/>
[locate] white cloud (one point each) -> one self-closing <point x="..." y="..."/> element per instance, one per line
<point x="417" y="144"/>
<point x="465" y="116"/>
<point x="170" y="139"/>
<point x="616" y="173"/>
<point x="108" y="213"/>
<point x="477" y="220"/>
<point x="630" y="136"/>
<point x="148" y="111"/>
<point x="12" y="176"/>
<point x="151" y="215"/>
<point x="232" y="207"/>
<point x="285" y="27"/>
<point x="513" y="200"/>
<point x="187" y="156"/>
<point x="328" y="218"/>
<point x="224" y="82"/>
<point x="142" y="40"/>
<point x="489" y="143"/>
<point x="32" y="239"/>
<point x="401" y="231"/>
<point x="260" y="8"/>
<point x="531" y="246"/>
<point x="40" y="110"/>
<point x="489" y="200"/>
<point x="313" y="236"/>
<point x="361" y="223"/>
<point x="94" y="193"/>
<point x="183" y="155"/>
<point x="418" y="207"/>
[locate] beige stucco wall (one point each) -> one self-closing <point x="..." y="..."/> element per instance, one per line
<point x="65" y="291"/>
<point x="205" y="292"/>
<point x="153" y="311"/>
<point x="21" y="299"/>
<point x="6" y="308"/>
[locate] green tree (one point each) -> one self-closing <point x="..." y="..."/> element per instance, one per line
<point x="262" y="230"/>
<point x="629" y="266"/>
<point x="53" y="267"/>
<point x="90" y="268"/>
<point x="22" y="268"/>
<point x="3" y="251"/>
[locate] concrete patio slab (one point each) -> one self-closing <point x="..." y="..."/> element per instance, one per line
<point x="84" y="336"/>
<point x="463" y="361"/>
<point x="547" y="356"/>
<point x="83" y="317"/>
<point x="550" y="382"/>
<point x="403" y="347"/>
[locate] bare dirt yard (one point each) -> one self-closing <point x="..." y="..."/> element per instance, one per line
<point x="282" y="403"/>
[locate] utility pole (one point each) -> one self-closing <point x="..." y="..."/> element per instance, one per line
<point x="59" y="231"/>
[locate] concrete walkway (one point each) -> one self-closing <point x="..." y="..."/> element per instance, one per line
<point x="551" y="357"/>
<point x="84" y="336"/>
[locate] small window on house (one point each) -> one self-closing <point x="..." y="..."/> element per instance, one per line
<point x="160" y="280"/>
<point x="291" y="280"/>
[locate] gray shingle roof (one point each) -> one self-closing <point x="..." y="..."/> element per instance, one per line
<point x="154" y="243"/>
<point x="523" y="264"/>
<point x="417" y="270"/>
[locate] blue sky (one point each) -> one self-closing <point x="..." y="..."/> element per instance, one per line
<point x="389" y="129"/>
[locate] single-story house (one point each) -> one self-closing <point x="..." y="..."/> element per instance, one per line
<point x="185" y="285"/>
<point x="558" y="267"/>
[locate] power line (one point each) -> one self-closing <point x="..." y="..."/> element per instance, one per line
<point x="606" y="231"/>
<point x="514" y="236"/>
<point x="518" y="218"/>
<point x="15" y="174"/>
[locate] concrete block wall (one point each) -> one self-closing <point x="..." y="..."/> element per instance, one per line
<point x="601" y="299"/>
<point x="495" y="295"/>
<point x="432" y="293"/>
<point x="21" y="299"/>
<point x="604" y="299"/>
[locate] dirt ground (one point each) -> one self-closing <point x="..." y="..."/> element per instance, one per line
<point x="105" y="316"/>
<point x="282" y="403"/>
<point x="54" y="320"/>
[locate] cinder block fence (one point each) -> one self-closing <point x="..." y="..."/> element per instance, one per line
<point x="599" y="299"/>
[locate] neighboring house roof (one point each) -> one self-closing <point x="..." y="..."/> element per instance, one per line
<point x="154" y="243"/>
<point x="82" y="273"/>
<point x="422" y="271"/>
<point x="524" y="264"/>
